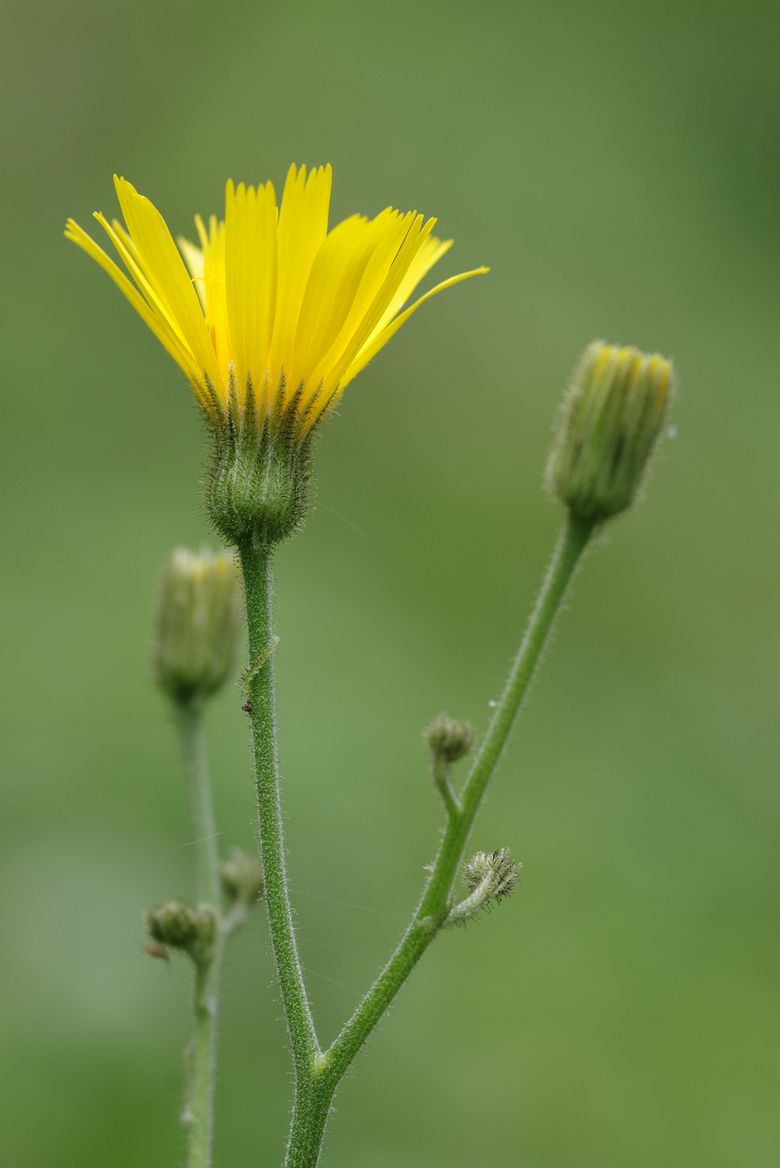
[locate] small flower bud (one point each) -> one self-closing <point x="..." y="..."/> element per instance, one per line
<point x="489" y="877"/>
<point x="449" y="739"/>
<point x="611" y="417"/>
<point x="242" y="878"/>
<point x="197" y="624"/>
<point x="496" y="869"/>
<point x="178" y="925"/>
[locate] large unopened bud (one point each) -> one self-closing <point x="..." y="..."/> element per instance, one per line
<point x="611" y="418"/>
<point x="197" y="624"/>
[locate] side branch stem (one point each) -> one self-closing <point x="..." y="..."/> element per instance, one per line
<point x="435" y="903"/>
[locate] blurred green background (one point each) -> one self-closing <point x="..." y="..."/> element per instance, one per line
<point x="617" y="166"/>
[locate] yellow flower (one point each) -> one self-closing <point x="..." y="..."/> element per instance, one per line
<point x="272" y="309"/>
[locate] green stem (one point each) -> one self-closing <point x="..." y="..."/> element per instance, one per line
<point x="256" y="565"/>
<point x="435" y="903"/>
<point x="309" y="1120"/>
<point x="202" y="824"/>
<point x="443" y="780"/>
<point x="198" y="1114"/>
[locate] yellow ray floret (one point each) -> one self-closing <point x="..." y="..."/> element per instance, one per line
<point x="269" y="298"/>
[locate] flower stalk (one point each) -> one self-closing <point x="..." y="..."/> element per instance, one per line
<point x="256" y="566"/>
<point x="189" y="717"/>
<point x="226" y="892"/>
<point x="201" y="1057"/>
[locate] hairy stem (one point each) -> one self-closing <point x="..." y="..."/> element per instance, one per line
<point x="198" y="1113"/>
<point x="201" y="808"/>
<point x="256" y="565"/>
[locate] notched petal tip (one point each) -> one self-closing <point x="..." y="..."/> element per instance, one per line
<point x="121" y="184"/>
<point x="76" y="234"/>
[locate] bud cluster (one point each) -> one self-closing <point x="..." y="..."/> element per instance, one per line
<point x="198" y="622"/>
<point x="176" y="924"/>
<point x="611" y="418"/>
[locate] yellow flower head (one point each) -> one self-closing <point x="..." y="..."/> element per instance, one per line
<point x="272" y="311"/>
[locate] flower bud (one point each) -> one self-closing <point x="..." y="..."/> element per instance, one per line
<point x="611" y="417"/>
<point x="489" y="877"/>
<point x="495" y="870"/>
<point x="242" y="878"/>
<point x="448" y="739"/>
<point x="175" y="924"/>
<point x="197" y="624"/>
